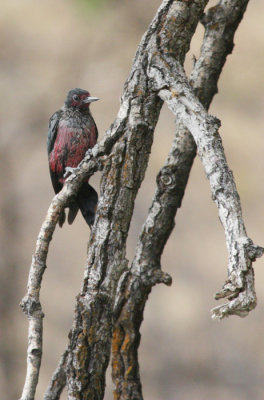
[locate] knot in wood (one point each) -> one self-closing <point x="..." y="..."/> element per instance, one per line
<point x="31" y="307"/>
<point x="213" y="122"/>
<point x="253" y="251"/>
<point x="118" y="153"/>
<point x="166" y="181"/>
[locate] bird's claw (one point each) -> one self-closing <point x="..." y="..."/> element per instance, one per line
<point x="68" y="172"/>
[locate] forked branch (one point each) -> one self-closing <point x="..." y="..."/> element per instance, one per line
<point x="111" y="291"/>
<point x="171" y="184"/>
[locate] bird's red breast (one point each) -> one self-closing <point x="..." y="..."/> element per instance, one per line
<point x="70" y="147"/>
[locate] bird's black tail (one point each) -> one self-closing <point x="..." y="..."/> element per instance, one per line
<point x="87" y="199"/>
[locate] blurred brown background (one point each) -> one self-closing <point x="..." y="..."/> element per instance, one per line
<point x="50" y="47"/>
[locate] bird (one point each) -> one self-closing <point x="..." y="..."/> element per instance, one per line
<point x="72" y="131"/>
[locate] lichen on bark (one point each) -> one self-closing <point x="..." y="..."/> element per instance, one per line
<point x="109" y="309"/>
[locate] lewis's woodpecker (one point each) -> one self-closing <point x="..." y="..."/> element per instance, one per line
<point x="72" y="131"/>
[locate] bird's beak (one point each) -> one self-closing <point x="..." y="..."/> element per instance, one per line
<point x="90" y="99"/>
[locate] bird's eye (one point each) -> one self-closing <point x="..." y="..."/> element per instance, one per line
<point x="75" y="97"/>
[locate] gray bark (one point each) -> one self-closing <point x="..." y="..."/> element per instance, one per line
<point x="171" y="184"/>
<point x="109" y="308"/>
<point x="124" y="171"/>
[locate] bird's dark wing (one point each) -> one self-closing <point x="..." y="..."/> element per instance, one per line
<point x="53" y="127"/>
<point x="52" y="134"/>
<point x="96" y="131"/>
<point x="93" y="132"/>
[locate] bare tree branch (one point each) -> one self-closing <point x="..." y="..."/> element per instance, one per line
<point x="110" y="291"/>
<point x="145" y="271"/>
<point x="123" y="174"/>
<point x="30" y="303"/>
<point x="217" y="44"/>
<point x="204" y="128"/>
<point x="220" y="23"/>
<point x="58" y="380"/>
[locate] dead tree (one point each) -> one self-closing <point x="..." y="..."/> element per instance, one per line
<point x="109" y="309"/>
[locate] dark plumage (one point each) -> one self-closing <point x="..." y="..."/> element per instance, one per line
<point x="72" y="131"/>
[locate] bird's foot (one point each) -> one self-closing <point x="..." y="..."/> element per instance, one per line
<point x="68" y="172"/>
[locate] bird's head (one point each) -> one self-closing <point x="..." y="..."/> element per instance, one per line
<point x="79" y="98"/>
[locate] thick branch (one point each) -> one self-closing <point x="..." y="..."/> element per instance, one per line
<point x="135" y="286"/>
<point x="204" y="128"/>
<point x="145" y="272"/>
<point x="122" y="177"/>
<point x="220" y="23"/>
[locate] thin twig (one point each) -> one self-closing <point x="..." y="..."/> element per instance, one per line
<point x="58" y="380"/>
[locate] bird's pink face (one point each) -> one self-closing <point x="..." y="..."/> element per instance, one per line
<point x="82" y="100"/>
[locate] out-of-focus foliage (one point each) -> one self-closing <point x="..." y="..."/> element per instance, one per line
<point x="92" y="5"/>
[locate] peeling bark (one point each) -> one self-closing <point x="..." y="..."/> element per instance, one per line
<point x="217" y="44"/>
<point x="145" y="272"/>
<point x="123" y="174"/>
<point x="204" y="129"/>
<point x="109" y="308"/>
